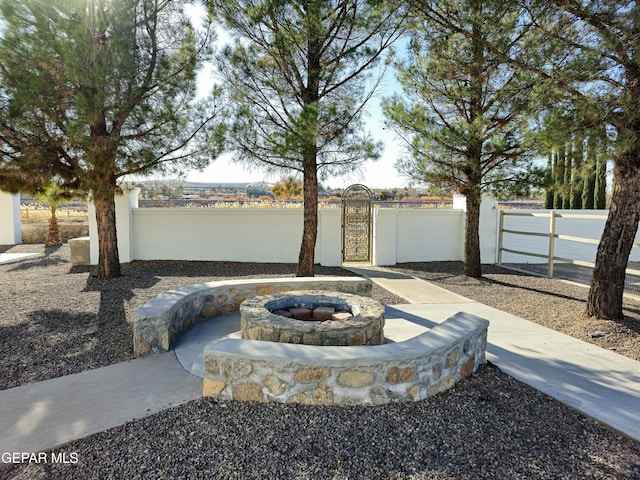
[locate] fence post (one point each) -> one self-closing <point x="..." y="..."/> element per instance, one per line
<point x="552" y="242"/>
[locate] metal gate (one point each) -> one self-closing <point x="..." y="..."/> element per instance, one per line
<point x="357" y="202"/>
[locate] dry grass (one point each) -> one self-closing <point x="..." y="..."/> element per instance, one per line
<point x="41" y="215"/>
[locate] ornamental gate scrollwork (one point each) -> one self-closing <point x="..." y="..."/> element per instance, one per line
<point x="357" y="206"/>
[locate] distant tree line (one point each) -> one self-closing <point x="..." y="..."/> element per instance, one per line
<point x="576" y="175"/>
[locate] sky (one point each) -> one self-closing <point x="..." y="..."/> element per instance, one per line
<point x="378" y="174"/>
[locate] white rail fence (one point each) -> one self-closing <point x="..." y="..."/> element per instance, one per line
<point x="557" y="243"/>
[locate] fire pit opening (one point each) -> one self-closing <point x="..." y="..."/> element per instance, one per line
<point x="312" y="312"/>
<point x="313" y="318"/>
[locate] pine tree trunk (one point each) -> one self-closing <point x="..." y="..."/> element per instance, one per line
<point x="607" y="284"/>
<point x="310" y="118"/>
<point x="310" y="227"/>
<point x="472" y="266"/>
<point x="108" y="257"/>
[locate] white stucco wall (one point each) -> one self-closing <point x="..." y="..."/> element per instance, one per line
<point x="274" y="234"/>
<point x="416" y="235"/>
<point x="10" y="227"/>
<point x="233" y="234"/>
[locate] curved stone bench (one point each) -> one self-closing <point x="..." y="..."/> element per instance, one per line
<point x="159" y="322"/>
<point x="253" y="370"/>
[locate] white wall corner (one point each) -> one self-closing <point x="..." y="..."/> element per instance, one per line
<point x="459" y="202"/>
<point x="10" y="223"/>
<point x="385" y="236"/>
<point x="125" y="203"/>
<point x="489" y="214"/>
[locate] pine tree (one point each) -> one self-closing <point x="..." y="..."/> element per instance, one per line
<point x="96" y="90"/>
<point x="297" y="76"/>
<point x="462" y="109"/>
<point x="586" y="59"/>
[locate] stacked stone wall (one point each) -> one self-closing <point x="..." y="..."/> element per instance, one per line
<point x="412" y="370"/>
<point x="364" y="327"/>
<point x="161" y="321"/>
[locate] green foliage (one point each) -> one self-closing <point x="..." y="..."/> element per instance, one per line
<point x="548" y="183"/>
<point x="560" y="186"/>
<point x="578" y="187"/>
<point x="53" y="195"/>
<point x="589" y="186"/>
<point x="298" y="76"/>
<point x="95" y="90"/>
<point x="577" y="177"/>
<point x="463" y="110"/>
<point x="567" y="182"/>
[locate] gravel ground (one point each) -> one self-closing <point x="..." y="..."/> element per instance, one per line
<point x="56" y="320"/>
<point x="489" y="426"/>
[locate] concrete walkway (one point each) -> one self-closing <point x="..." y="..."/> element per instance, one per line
<point x="42" y="415"/>
<point x="594" y="381"/>
<point x="597" y="382"/>
<point x="12" y="257"/>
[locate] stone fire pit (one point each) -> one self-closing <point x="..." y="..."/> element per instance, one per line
<point x="356" y="320"/>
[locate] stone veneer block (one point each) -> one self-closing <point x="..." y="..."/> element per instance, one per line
<point x="394" y="372"/>
<point x="366" y="327"/>
<point x="79" y="248"/>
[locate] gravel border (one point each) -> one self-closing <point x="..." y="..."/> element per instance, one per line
<point x="57" y="319"/>
<point x="556" y="304"/>
<point x="488" y="426"/>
